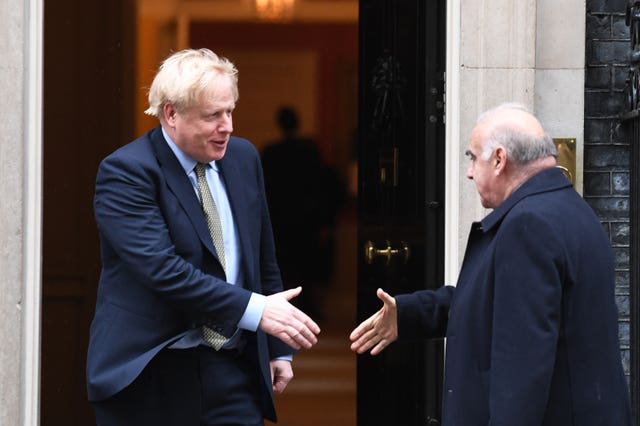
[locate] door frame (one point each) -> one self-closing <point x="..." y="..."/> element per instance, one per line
<point x="32" y="198"/>
<point x="447" y="164"/>
<point x="32" y="254"/>
<point x="452" y="254"/>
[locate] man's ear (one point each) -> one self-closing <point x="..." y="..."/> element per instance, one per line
<point x="169" y="112"/>
<point x="499" y="159"/>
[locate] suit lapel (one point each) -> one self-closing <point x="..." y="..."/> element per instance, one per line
<point x="234" y="182"/>
<point x="179" y="184"/>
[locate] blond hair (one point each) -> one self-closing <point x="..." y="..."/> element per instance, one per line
<point x="185" y="76"/>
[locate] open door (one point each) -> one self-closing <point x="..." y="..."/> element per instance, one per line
<point x="401" y="197"/>
<point x="87" y="113"/>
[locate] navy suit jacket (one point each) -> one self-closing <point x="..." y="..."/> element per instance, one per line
<point x="160" y="272"/>
<point x="531" y="327"/>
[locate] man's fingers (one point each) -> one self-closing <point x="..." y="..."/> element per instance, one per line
<point x="364" y="326"/>
<point x="300" y="315"/>
<point x="281" y="374"/>
<point x="357" y="332"/>
<point x="365" y="341"/>
<point x="364" y="344"/>
<point x="305" y="322"/>
<point x="379" y="347"/>
<point x="361" y="346"/>
<point x="288" y="323"/>
<point x="361" y="336"/>
<point x="303" y="336"/>
<point x="299" y="335"/>
<point x="369" y="323"/>
<point x="289" y="341"/>
<point x="278" y="387"/>
<point x="296" y="341"/>
<point x="374" y="333"/>
<point x="290" y="294"/>
<point x="309" y="324"/>
<point x="386" y="298"/>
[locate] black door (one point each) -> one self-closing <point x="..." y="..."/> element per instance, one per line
<point x="401" y="197"/>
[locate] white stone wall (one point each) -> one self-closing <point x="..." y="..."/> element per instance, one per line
<point x="11" y="207"/>
<point x="20" y="171"/>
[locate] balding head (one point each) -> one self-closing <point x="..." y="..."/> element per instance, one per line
<point x="507" y="147"/>
<point x="517" y="130"/>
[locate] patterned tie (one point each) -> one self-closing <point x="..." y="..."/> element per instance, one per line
<point x="212" y="337"/>
<point x="210" y="212"/>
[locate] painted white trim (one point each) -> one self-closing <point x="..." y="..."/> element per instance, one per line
<point x="32" y="245"/>
<point x="452" y="145"/>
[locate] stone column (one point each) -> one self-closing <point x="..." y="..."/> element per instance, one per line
<point x="560" y="73"/>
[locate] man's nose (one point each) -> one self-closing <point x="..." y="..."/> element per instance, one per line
<point x="226" y="125"/>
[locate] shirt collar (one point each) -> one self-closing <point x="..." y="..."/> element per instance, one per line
<point x="187" y="163"/>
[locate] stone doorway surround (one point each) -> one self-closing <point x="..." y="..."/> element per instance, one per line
<point x="530" y="51"/>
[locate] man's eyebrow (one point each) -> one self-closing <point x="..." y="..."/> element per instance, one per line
<point x="470" y="154"/>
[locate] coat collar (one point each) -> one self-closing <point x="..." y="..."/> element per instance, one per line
<point x="545" y="181"/>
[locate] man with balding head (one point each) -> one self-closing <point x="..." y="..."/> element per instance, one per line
<point x="531" y="326"/>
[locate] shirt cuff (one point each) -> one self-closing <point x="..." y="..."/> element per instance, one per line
<point x="251" y="318"/>
<point x="285" y="358"/>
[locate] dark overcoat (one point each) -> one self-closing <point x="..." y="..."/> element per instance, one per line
<point x="532" y="325"/>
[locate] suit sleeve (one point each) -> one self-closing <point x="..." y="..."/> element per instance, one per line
<point x="138" y="243"/>
<point x="528" y="266"/>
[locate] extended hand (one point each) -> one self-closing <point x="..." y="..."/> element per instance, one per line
<point x="281" y="374"/>
<point x="288" y="323"/>
<point x="379" y="330"/>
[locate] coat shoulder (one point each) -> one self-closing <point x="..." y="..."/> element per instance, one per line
<point x="242" y="145"/>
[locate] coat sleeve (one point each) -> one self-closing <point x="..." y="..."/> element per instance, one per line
<point x="528" y="264"/>
<point x="424" y="314"/>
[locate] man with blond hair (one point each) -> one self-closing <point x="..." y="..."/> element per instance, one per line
<point x="191" y="325"/>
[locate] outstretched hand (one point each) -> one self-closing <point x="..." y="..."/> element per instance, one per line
<point x="288" y="323"/>
<point x="379" y="330"/>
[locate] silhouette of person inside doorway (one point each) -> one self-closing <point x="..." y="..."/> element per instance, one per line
<point x="304" y="196"/>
